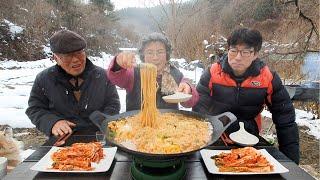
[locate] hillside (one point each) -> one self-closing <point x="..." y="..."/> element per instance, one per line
<point x="187" y="25"/>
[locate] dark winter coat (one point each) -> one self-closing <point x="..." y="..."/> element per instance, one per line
<point x="246" y="102"/>
<point x="52" y="98"/>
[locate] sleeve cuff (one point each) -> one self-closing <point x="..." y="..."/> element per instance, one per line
<point x="194" y="99"/>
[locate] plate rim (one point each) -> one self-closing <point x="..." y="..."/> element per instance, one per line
<point x="110" y="151"/>
<point x="210" y="162"/>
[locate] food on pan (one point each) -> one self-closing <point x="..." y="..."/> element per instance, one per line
<point x="156" y="133"/>
<point x="175" y="133"/>
<point x="77" y="157"/>
<point x="246" y="159"/>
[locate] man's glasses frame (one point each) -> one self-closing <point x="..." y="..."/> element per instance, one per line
<point x="244" y="53"/>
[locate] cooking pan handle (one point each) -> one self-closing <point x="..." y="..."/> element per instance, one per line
<point x="225" y="118"/>
<point x="98" y="118"/>
<point x="220" y="123"/>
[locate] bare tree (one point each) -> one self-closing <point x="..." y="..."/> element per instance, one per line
<point x="308" y="15"/>
<point x="177" y="19"/>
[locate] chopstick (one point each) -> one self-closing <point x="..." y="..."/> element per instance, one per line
<point x="223" y="139"/>
<point x="62" y="139"/>
<point x="226" y="140"/>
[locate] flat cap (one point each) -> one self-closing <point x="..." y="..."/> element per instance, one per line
<point x="65" y="41"/>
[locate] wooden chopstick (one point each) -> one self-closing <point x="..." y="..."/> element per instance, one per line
<point x="223" y="139"/>
<point x="226" y="140"/>
<point x="62" y="139"/>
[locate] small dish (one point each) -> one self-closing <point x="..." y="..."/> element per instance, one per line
<point x="177" y="97"/>
<point x="243" y="138"/>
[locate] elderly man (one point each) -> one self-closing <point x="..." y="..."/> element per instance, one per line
<point x="243" y="84"/>
<point x="63" y="96"/>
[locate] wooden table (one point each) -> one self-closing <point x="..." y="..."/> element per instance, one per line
<point x="120" y="168"/>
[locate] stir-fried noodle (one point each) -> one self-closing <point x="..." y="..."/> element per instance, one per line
<point x="149" y="112"/>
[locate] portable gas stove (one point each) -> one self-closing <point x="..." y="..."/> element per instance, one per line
<point x="169" y="169"/>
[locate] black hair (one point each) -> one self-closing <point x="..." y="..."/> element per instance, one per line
<point x="155" y="37"/>
<point x="249" y="37"/>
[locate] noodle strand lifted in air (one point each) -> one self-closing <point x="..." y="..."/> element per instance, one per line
<point x="149" y="111"/>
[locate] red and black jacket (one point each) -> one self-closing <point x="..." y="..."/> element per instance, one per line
<point x="220" y="91"/>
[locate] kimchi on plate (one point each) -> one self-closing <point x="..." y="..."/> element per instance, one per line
<point x="246" y="159"/>
<point x="242" y="161"/>
<point x="78" y="156"/>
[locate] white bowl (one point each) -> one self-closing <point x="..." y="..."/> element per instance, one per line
<point x="178" y="97"/>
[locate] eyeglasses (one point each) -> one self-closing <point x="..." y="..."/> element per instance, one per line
<point x="243" y="53"/>
<point x="157" y="53"/>
<point x="67" y="58"/>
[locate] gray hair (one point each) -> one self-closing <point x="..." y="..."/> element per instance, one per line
<point x="155" y="37"/>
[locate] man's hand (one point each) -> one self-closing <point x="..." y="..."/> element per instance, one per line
<point x="184" y="88"/>
<point x="62" y="127"/>
<point x="126" y="60"/>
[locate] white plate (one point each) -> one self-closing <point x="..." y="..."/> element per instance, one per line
<point x="178" y="97"/>
<point x="212" y="168"/>
<point x="44" y="165"/>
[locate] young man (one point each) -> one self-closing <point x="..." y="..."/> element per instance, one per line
<point x="155" y="49"/>
<point x="242" y="84"/>
<point x="63" y="96"/>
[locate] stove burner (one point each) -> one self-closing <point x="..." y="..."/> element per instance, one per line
<point x="158" y="169"/>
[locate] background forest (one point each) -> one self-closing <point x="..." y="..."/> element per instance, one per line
<point x="187" y="24"/>
<point x="197" y="29"/>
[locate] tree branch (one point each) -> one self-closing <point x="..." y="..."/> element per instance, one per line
<point x="155" y="20"/>
<point x="307" y="18"/>
<point x="288" y="2"/>
<point x="295" y="52"/>
<point x="164" y="9"/>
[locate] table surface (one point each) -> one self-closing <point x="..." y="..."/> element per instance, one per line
<point x="120" y="168"/>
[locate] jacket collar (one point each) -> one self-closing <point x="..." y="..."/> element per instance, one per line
<point x="61" y="76"/>
<point x="253" y="70"/>
<point x="61" y="73"/>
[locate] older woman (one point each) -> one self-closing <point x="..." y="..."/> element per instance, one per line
<point x="155" y="49"/>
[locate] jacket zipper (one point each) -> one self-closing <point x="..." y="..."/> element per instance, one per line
<point x="238" y="91"/>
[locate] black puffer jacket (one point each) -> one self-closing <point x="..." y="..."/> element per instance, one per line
<point x="52" y="99"/>
<point x="246" y="103"/>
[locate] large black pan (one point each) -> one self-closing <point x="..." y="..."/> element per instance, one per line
<point x="219" y="123"/>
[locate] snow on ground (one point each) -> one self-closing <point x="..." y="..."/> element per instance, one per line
<point x="16" y="79"/>
<point x="14" y="29"/>
<point x="303" y="118"/>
